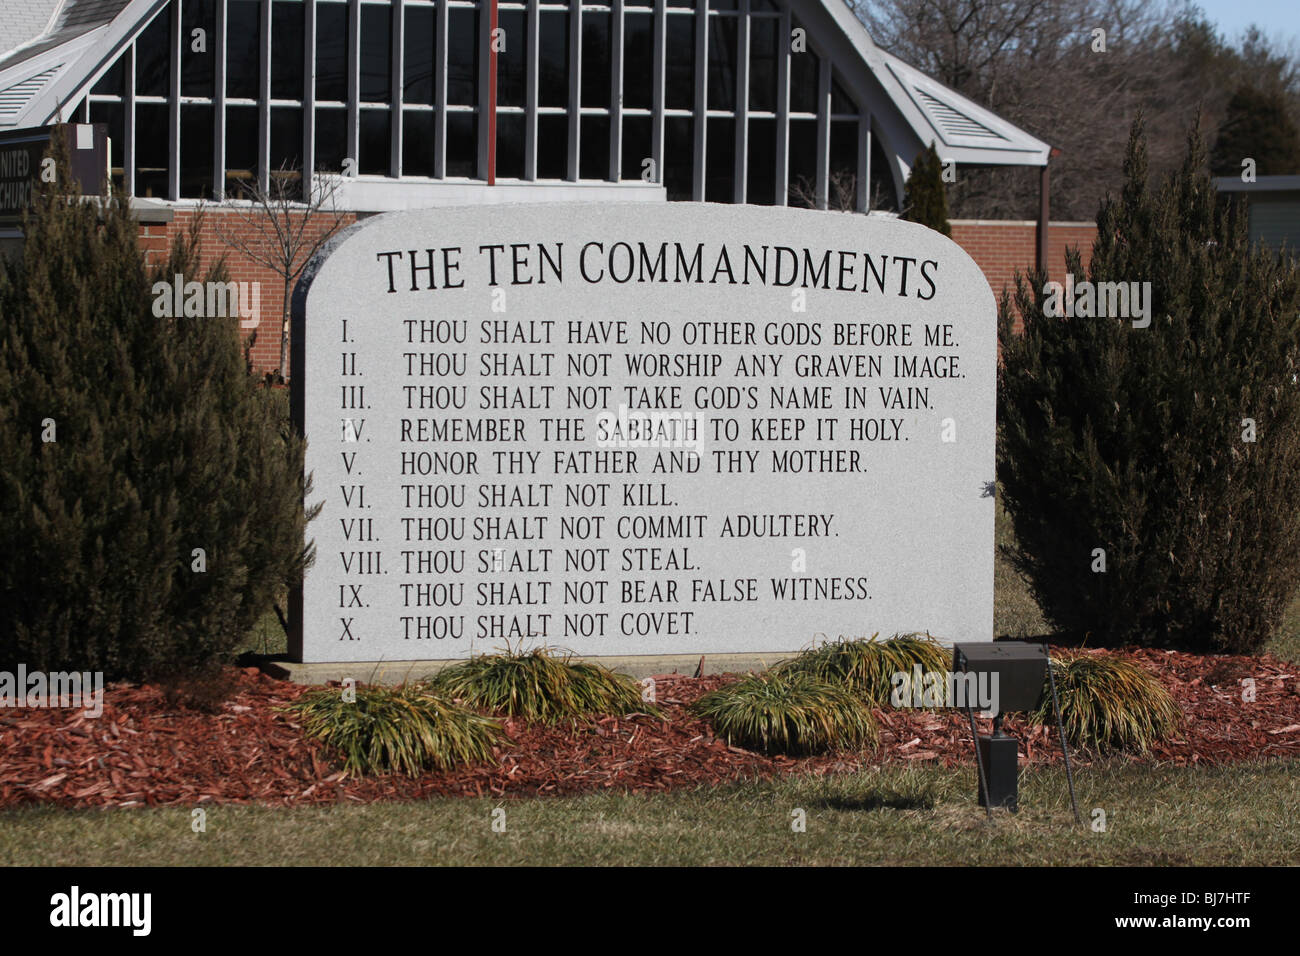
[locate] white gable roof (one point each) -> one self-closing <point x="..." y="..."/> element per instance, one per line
<point x="960" y="128"/>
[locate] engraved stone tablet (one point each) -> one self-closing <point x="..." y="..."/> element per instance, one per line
<point x="635" y="430"/>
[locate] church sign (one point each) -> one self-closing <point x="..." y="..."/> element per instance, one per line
<point x="642" y="430"/>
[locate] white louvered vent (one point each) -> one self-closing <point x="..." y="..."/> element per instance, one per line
<point x="14" y="98"/>
<point x="953" y="122"/>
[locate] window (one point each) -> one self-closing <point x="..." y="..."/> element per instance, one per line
<point x="198" y="48"/>
<point x="552" y="146"/>
<point x="512" y="62"/>
<point x="419" y="40"/>
<point x="243" y="49"/>
<point x="462" y="145"/>
<point x="760" y="185"/>
<point x="595" y="59"/>
<point x="417" y="143"/>
<point x="613" y="102"/>
<point x="553" y="65"/>
<point x="638" y="60"/>
<point x="376" y="53"/>
<point x="462" y="57"/>
<point x="287" y="24"/>
<point x="331" y="52"/>
<point x="722" y="63"/>
<point x="152" y="56"/>
<point x="151" y="144"/>
<point x="241" y="147"/>
<point x="196" y="151"/>
<point x="375" y="137"/>
<point x="720" y="170"/>
<point x="331" y="143"/>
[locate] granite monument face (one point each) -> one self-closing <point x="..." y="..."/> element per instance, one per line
<point x="643" y="430"/>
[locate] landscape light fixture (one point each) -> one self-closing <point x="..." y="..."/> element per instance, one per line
<point x="1016" y="670"/>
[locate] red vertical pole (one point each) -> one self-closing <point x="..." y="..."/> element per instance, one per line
<point x="492" y="94"/>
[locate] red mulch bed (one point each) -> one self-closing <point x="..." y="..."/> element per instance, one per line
<point x="143" y="752"/>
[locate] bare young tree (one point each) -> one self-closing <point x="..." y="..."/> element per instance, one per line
<point x="280" y="228"/>
<point x="841" y="193"/>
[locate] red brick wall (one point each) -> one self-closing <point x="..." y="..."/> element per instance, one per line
<point x="156" y="239"/>
<point x="1001" y="248"/>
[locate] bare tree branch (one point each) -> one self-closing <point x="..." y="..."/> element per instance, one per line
<point x="281" y="230"/>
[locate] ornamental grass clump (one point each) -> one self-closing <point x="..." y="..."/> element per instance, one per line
<point x="403" y="729"/>
<point x="1109" y="705"/>
<point x="540" y="686"/>
<point x="791" y="713"/>
<point x="868" y="667"/>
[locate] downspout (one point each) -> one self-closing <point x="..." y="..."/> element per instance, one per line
<point x="492" y="95"/>
<point x="1045" y="209"/>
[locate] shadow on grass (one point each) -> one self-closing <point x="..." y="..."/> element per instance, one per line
<point x="880" y="800"/>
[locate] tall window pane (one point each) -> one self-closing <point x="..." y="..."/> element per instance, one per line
<point x="595" y="58"/>
<point x="417" y="143"/>
<point x="679" y="77"/>
<point x="151" y="150"/>
<point x="638" y="60"/>
<point x="720" y="162"/>
<point x="331" y="51"/>
<point x="287" y="25"/>
<point x="462" y="145"/>
<point x="418" y="61"/>
<point x="196" y="151"/>
<point x="462" y="57"/>
<point x="553" y="68"/>
<point x="593" y="152"/>
<point x="376" y="54"/>
<point x="241" y="146"/>
<point x="760" y="181"/>
<point x="678" y="156"/>
<point x="152" y="54"/>
<point x="804" y="69"/>
<point x="762" y="63"/>
<point x="636" y="146"/>
<point x="512" y="62"/>
<point x="843" y="183"/>
<point x="243" y="43"/>
<point x="198" y="67"/>
<point x="331" y="139"/>
<point x="510" y="145"/>
<point x="286" y="137"/>
<point x="722" y="63"/>
<point x="552" y="146"/>
<point x="802" y="179"/>
<point x="376" y="126"/>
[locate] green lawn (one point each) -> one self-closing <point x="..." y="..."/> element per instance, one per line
<point x="898" y="816"/>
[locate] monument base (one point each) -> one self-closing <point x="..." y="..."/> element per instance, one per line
<point x="396" y="672"/>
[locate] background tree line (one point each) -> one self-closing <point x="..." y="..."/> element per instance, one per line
<point x="1036" y="64"/>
